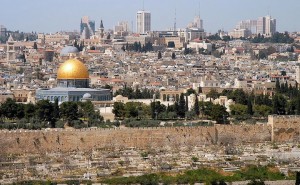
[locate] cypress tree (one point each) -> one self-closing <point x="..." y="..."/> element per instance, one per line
<point x="35" y="45"/>
<point x="286" y="87"/>
<point x="297" y="178"/>
<point x="249" y="107"/>
<point x="196" y="106"/>
<point x="298" y="104"/>
<point x="181" y="106"/>
<point x="173" y="55"/>
<point x="186" y="104"/>
<point x="277" y="86"/>
<point x="159" y="55"/>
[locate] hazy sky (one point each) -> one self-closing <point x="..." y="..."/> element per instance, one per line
<point x="56" y="15"/>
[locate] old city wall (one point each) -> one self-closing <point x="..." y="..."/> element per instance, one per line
<point x="284" y="128"/>
<point x="278" y="129"/>
<point x="60" y="140"/>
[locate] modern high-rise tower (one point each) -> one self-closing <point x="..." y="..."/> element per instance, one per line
<point x="266" y="25"/>
<point x="250" y="25"/>
<point x="87" y="27"/>
<point x="143" y="21"/>
<point x="270" y="25"/>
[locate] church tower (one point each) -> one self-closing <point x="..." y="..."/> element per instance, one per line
<point x="11" y="53"/>
<point x="101" y="30"/>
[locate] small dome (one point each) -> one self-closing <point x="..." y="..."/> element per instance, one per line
<point x="67" y="50"/>
<point x="230" y="101"/>
<point x="87" y="96"/>
<point x="227" y="84"/>
<point x="119" y="96"/>
<point x="51" y="80"/>
<point x="72" y="69"/>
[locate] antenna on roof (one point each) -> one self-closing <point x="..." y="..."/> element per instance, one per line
<point x="143" y="5"/>
<point x="199" y="8"/>
<point x="175" y="21"/>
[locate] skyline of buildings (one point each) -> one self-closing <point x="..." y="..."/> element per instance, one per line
<point x="265" y="25"/>
<point x="225" y="18"/>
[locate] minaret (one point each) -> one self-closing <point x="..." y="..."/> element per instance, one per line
<point x="101" y="30"/>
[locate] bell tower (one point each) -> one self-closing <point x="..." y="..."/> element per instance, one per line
<point x="11" y="53"/>
<point x="101" y="30"/>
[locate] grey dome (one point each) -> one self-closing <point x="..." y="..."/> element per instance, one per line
<point x="87" y="96"/>
<point x="67" y="50"/>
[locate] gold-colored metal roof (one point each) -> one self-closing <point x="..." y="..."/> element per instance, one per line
<point x="72" y="69"/>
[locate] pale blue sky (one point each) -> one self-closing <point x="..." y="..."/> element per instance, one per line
<point x="57" y="15"/>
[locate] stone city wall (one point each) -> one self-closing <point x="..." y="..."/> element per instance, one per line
<point x="60" y="140"/>
<point x="278" y="129"/>
<point x="284" y="128"/>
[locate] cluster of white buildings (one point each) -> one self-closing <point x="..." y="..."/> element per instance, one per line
<point x="263" y="25"/>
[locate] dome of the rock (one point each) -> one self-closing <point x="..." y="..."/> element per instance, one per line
<point x="72" y="69"/>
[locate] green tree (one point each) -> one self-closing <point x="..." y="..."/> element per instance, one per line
<point x="35" y="45"/>
<point x="123" y="48"/>
<point x="196" y="106"/>
<point x="173" y="56"/>
<point x="187" y="51"/>
<point x="119" y="110"/>
<point x="226" y="38"/>
<point x="9" y="108"/>
<point x="262" y="110"/>
<point x="249" y="107"/>
<point x="138" y="93"/>
<point x="148" y="47"/>
<point x="291" y="107"/>
<point x="159" y="55"/>
<point x="277" y="86"/>
<point x="131" y="109"/>
<point x="69" y="111"/>
<point x="297" y="103"/>
<point x="279" y="104"/>
<point x="43" y="110"/>
<point x="181" y="106"/>
<point x="20" y="111"/>
<point x="239" y="112"/>
<point x="186" y="103"/>
<point x="190" y="91"/>
<point x="213" y="93"/>
<point x="206" y="108"/>
<point x="239" y="96"/>
<point x="297" y="178"/>
<point x="29" y="111"/>
<point x="157" y="108"/>
<point x="86" y="109"/>
<point x="55" y="113"/>
<point x="219" y="114"/>
<point x="190" y="114"/>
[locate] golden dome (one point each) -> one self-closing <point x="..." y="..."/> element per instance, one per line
<point x="72" y="69"/>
